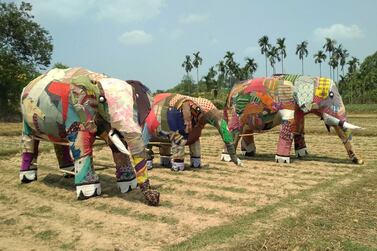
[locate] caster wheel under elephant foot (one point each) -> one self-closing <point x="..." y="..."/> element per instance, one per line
<point x="282" y="159"/>
<point x="87" y="191"/>
<point x="127" y="186"/>
<point x="300" y="153"/>
<point x="28" y="176"/>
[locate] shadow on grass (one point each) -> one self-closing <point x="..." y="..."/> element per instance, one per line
<point x="108" y="186"/>
<point x="319" y="158"/>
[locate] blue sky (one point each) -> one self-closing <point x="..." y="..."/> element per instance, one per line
<point x="148" y="39"/>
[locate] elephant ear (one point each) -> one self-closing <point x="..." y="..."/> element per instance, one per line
<point x="304" y="92"/>
<point x="143" y="98"/>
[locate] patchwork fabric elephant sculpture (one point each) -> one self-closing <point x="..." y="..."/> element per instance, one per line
<point x="263" y="103"/>
<point x="177" y="120"/>
<point x="70" y="107"/>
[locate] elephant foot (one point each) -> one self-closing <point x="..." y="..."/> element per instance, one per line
<point x="357" y="161"/>
<point x="282" y="159"/>
<point x="66" y="171"/>
<point x="28" y="176"/>
<point x="301" y="152"/>
<point x="165" y="161"/>
<point x="127" y="186"/>
<point x="196" y="162"/>
<point x="225" y="157"/>
<point x="149" y="164"/>
<point x="178" y="166"/>
<point x="87" y="191"/>
<point x="248" y="154"/>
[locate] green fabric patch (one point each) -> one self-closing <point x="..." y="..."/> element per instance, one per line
<point x="26" y="130"/>
<point x="224" y="131"/>
<point x="85" y="169"/>
<point x="241" y="101"/>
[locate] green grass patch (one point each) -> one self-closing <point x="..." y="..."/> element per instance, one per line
<point x="361" y="108"/>
<point x="236" y="234"/>
<point x="46" y="235"/>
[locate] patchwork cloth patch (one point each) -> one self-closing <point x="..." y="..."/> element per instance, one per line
<point x="304" y="92"/>
<point x="323" y="88"/>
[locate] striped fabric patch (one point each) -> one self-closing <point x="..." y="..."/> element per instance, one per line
<point x="291" y="77"/>
<point x="285" y="92"/>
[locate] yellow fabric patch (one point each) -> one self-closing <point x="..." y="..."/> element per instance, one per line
<point x="323" y="88"/>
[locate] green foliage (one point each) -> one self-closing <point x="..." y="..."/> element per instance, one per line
<point x="60" y="66"/>
<point x="25" y="48"/>
<point x="360" y="85"/>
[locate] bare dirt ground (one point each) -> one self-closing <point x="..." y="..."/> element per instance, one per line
<point x="45" y="215"/>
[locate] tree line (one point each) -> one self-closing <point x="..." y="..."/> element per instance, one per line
<point x="26" y="49"/>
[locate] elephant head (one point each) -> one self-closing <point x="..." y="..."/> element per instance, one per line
<point x="327" y="103"/>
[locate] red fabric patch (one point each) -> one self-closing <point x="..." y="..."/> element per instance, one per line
<point x="152" y="122"/>
<point x="62" y="90"/>
<point x="255" y="85"/>
<point x="160" y="97"/>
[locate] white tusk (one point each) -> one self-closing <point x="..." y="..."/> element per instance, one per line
<point x="118" y="143"/>
<point x="350" y="126"/>
<point x="330" y="120"/>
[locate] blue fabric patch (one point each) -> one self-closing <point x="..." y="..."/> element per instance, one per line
<point x="176" y="122"/>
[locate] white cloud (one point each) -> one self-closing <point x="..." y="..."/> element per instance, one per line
<point x="194" y="18"/>
<point x="121" y="11"/>
<point x="125" y="11"/>
<point x="135" y="37"/>
<point x="339" y="31"/>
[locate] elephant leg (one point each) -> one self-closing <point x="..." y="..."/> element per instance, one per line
<point x="28" y="169"/>
<point x="299" y="139"/>
<point x="64" y="159"/>
<point x="178" y="152"/>
<point x="86" y="180"/>
<point x="165" y="155"/>
<point x="247" y="144"/>
<point x="137" y="150"/>
<point x="195" y="154"/>
<point x="346" y="137"/>
<point x="150" y="157"/>
<point x="225" y="156"/>
<point x="125" y="173"/>
<point x="285" y="137"/>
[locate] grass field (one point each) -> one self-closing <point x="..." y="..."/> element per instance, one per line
<point x="322" y="202"/>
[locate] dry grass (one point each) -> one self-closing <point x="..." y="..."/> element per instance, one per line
<point x="202" y="208"/>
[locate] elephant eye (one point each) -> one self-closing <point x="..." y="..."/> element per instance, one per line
<point x="331" y="94"/>
<point x="102" y="99"/>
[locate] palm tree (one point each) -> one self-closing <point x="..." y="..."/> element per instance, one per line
<point x="319" y="57"/>
<point x="343" y="59"/>
<point x="301" y="51"/>
<point x="329" y="47"/>
<point x="281" y="50"/>
<point x="352" y="65"/>
<point x="196" y="62"/>
<point x="230" y="65"/>
<point x="221" y="68"/>
<point x="273" y="54"/>
<point x="265" y="46"/>
<point x="333" y="62"/>
<point x="250" y="67"/>
<point x="187" y="65"/>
